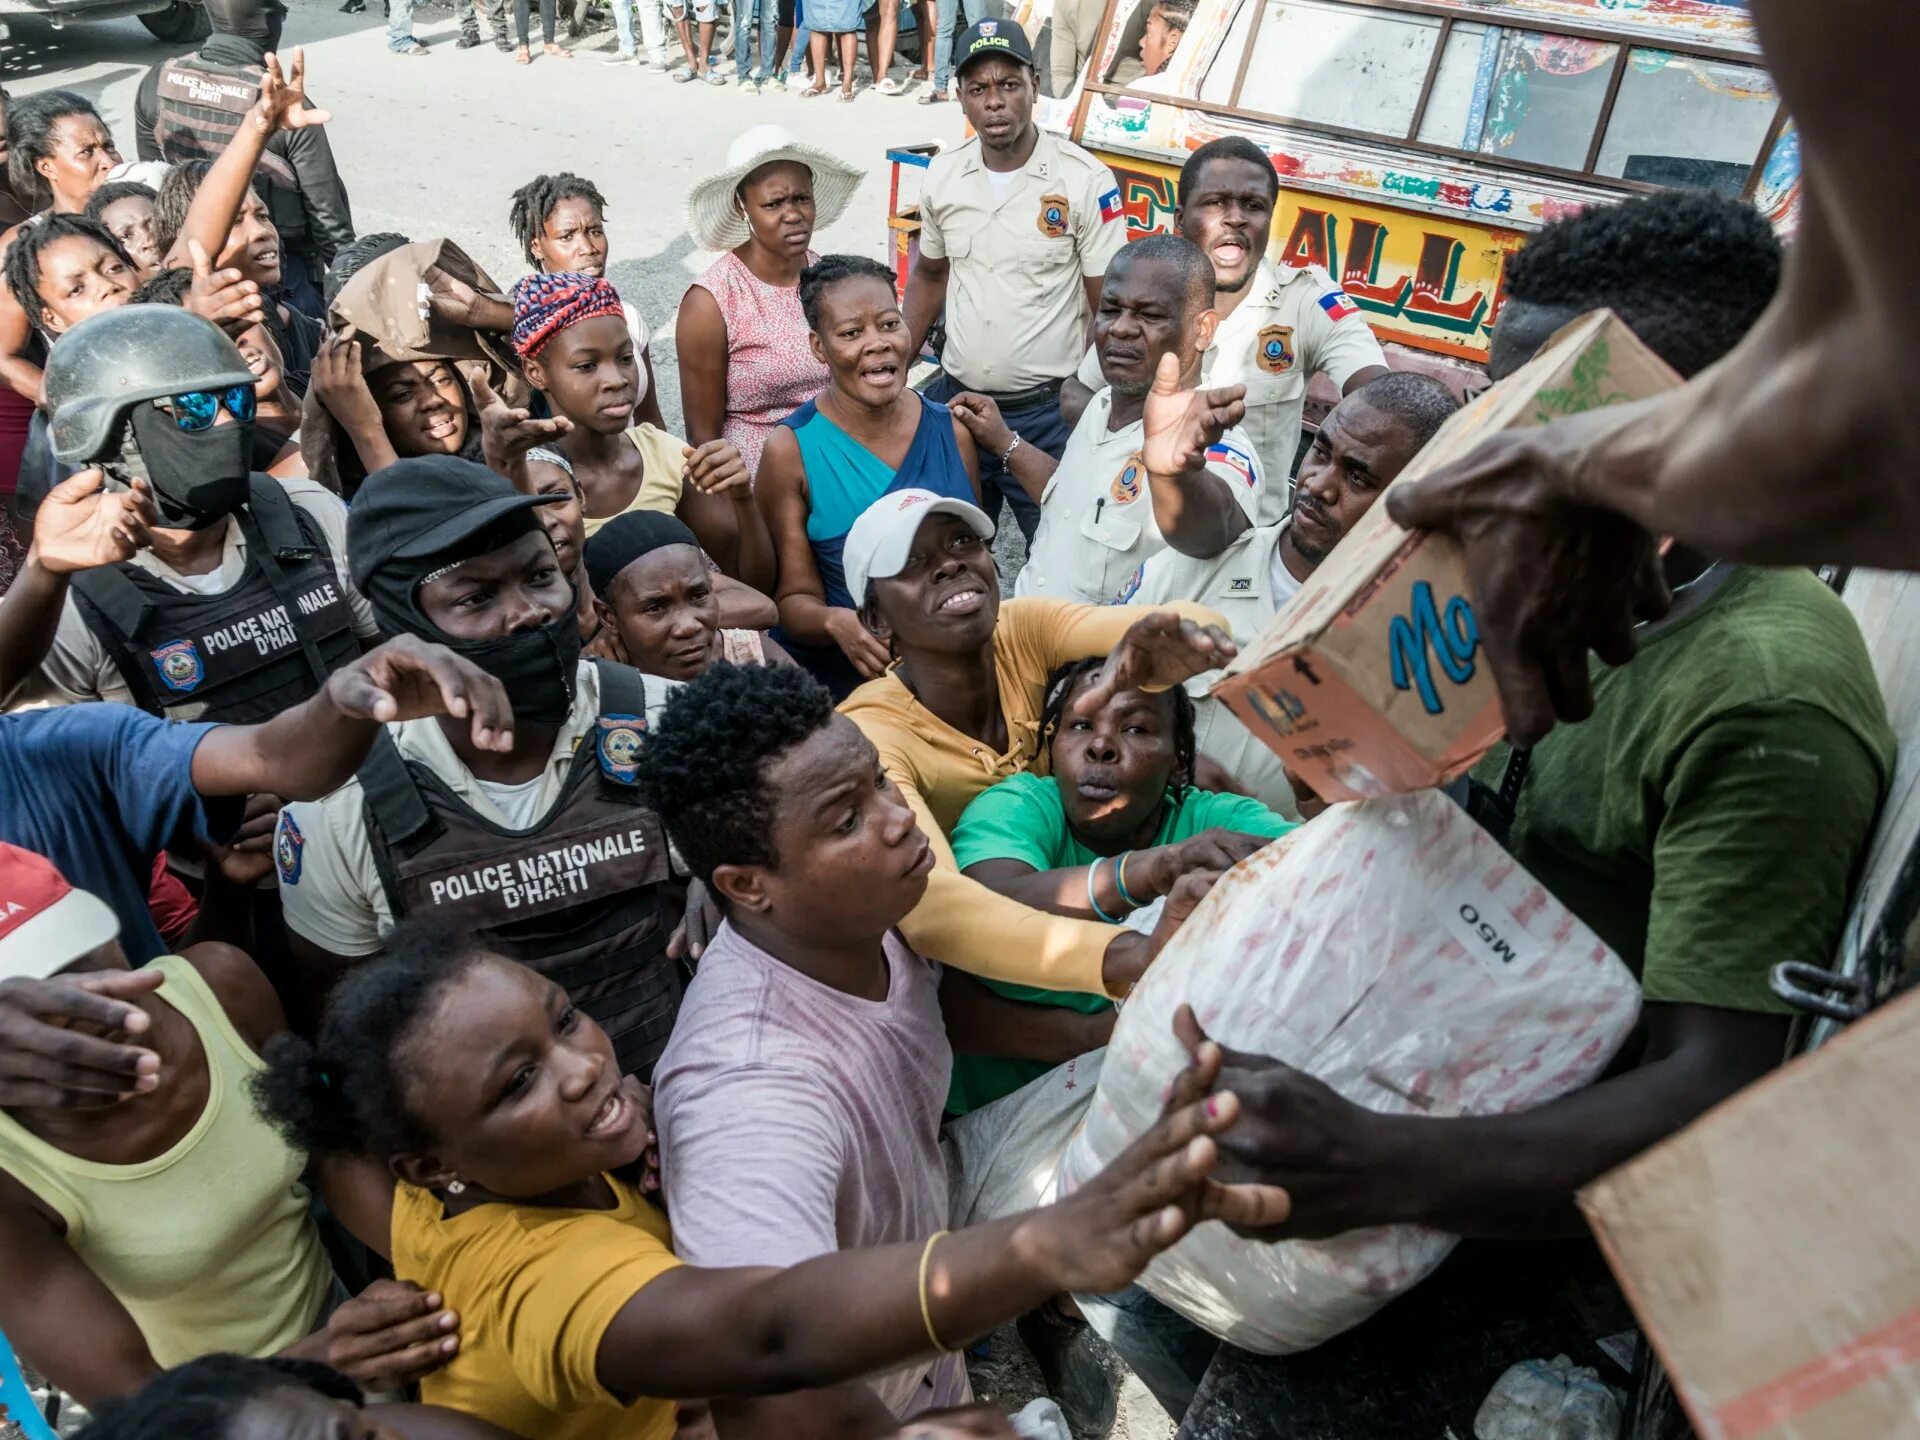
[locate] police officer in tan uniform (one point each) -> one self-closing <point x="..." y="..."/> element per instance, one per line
<point x="1017" y="227"/>
<point x="1278" y="325"/>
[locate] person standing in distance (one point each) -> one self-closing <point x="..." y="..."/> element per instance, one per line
<point x="1279" y="325"/>
<point x="1017" y="227"/>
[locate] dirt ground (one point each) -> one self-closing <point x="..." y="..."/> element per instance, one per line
<point x="1009" y="1378"/>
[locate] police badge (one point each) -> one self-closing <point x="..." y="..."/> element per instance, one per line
<point x="1053" y="216"/>
<point x="1274" y="353"/>
<point x="178" y="662"/>
<point x="617" y="746"/>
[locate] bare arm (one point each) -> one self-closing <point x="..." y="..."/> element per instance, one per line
<point x="718" y="495"/>
<point x="700" y="342"/>
<point x="742" y="607"/>
<point x="1151" y="873"/>
<point x="20" y="374"/>
<point x="62" y="1319"/>
<point x="926" y="294"/>
<point x="314" y="748"/>
<point x="1029" y="464"/>
<point x="1074" y="398"/>
<point x="981" y="1021"/>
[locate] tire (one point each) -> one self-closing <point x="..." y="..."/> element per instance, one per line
<point x="180" y="21"/>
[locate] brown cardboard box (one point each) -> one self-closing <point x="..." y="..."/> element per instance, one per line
<point x="1371" y="680"/>
<point x="1772" y="1248"/>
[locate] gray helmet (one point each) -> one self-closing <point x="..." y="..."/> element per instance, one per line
<point x="101" y="368"/>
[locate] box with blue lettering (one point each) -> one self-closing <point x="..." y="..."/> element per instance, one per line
<point x="1371" y="681"/>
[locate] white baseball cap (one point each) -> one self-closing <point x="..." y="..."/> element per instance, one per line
<point x="878" y="544"/>
<point x="46" y="924"/>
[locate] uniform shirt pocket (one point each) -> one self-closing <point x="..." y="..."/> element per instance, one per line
<point x="1109" y="556"/>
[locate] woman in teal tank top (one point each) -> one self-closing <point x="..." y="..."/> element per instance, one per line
<point x="864" y="436"/>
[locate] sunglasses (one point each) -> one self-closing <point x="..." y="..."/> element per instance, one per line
<point x="197" y="409"/>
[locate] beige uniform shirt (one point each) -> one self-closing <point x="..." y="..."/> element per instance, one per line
<point x="1016" y="301"/>
<point x="1096" y="514"/>
<point x="78" y="667"/>
<point x="1240" y="583"/>
<point x="330" y="890"/>
<point x="1294" y="324"/>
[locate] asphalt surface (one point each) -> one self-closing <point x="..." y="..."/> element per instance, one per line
<point x="436" y="145"/>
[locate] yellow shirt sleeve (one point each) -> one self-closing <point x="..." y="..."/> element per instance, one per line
<point x="1044" y="634"/>
<point x="559" y="1286"/>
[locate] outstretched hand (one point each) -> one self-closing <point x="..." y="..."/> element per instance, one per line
<point x="82" y="525"/>
<point x="1160" y="651"/>
<point x="981" y="415"/>
<point x="1102" y="1236"/>
<point x="1180" y="424"/>
<point x="1551" y="577"/>
<point x="282" y="104"/>
<point x="507" y="433"/>
<point x="225" y="297"/>
<point x="408" y="678"/>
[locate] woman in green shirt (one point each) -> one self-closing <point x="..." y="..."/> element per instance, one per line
<point x="1109" y="831"/>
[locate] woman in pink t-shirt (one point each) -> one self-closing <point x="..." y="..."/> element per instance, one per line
<point x="745" y="363"/>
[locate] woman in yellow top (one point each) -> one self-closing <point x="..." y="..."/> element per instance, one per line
<point x="138" y="1232"/>
<point x="959" y="710"/>
<point x="571" y="335"/>
<point x="516" y="1139"/>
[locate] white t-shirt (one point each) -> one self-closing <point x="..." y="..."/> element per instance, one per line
<point x="1096" y="515"/>
<point x="1283" y="586"/>
<point x="330" y="890"/>
<point x="1000" y="180"/>
<point x="637" y="328"/>
<point x="78" y="668"/>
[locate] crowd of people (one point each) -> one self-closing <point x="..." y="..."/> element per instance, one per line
<point x="525" y="914"/>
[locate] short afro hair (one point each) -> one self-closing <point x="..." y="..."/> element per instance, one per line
<point x="23" y="257"/>
<point x="1420" y="402"/>
<point x="831" y="270"/>
<point x="1227" y="147"/>
<point x="165" y="287"/>
<point x="112" y="193"/>
<point x="1687" y="271"/>
<point x="175" y="198"/>
<point x="1186" y="259"/>
<point x="704" y="766"/>
<point x="203" y="1397"/>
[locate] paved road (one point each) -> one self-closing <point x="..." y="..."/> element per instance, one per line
<point x="436" y="145"/>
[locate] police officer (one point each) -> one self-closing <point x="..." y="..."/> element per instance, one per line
<point x="1017" y="227"/>
<point x="209" y="592"/>
<point x="545" y="851"/>
<point x="188" y="107"/>
<point x="1278" y="325"/>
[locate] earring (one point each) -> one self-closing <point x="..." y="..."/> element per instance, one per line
<point x="456" y="1187"/>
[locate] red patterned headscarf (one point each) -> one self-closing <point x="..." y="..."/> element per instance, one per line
<point x="544" y="305"/>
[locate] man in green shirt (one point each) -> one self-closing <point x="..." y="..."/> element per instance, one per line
<point x="1109" y="831"/>
<point x="1707" y="821"/>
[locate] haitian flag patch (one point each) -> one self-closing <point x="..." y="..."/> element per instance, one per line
<point x="1339" y="305"/>
<point x="1110" y="208"/>
<point x="1234" y="459"/>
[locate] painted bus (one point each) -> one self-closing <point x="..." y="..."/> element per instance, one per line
<point x="1418" y="142"/>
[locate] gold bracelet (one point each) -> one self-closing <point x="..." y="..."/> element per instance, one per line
<point x="926" y="1312"/>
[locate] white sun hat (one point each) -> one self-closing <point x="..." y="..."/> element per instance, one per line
<point x="713" y="213"/>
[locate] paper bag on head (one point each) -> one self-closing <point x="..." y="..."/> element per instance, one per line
<point x="1371" y="680"/>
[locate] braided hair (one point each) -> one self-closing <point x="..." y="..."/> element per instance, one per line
<point x="23" y="259"/>
<point x="534" y="201"/>
<point x="1059" y="692"/>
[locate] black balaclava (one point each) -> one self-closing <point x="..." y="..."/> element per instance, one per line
<point x="256" y="20"/>
<point x="537" y="667"/>
<point x="199" y="477"/>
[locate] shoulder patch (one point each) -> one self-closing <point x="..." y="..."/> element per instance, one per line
<point x="1235" y="461"/>
<point x="288" y="845"/>
<point x="1338" y="305"/>
<point x="1132" y="587"/>
<point x="617" y="740"/>
<point x="1110" y="206"/>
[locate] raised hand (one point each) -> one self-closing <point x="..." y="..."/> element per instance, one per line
<point x="76" y="1040"/>
<point x="1159" y="652"/>
<point x="408" y="678"/>
<point x="716" y="468"/>
<point x="82" y="525"/>
<point x="1213" y="850"/>
<point x="458" y="303"/>
<point x="1102" y="1236"/>
<point x="282" y="104"/>
<point x="1551" y="577"/>
<point x="391" y="1334"/>
<point x="225" y="297"/>
<point x="1180" y="424"/>
<point x="508" y="433"/>
<point x="342" y="386"/>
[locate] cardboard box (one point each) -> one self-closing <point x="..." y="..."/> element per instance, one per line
<point x="1770" y="1249"/>
<point x="1371" y="681"/>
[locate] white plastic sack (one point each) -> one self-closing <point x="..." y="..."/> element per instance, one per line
<point x="1393" y="950"/>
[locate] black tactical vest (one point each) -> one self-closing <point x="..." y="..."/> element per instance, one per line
<point x="240" y="657"/>
<point x="577" y="898"/>
<point x="197" y="108"/>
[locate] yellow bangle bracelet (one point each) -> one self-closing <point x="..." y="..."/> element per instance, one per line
<point x="926" y="1311"/>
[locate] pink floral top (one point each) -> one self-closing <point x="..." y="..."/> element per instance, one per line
<point x="771" y="371"/>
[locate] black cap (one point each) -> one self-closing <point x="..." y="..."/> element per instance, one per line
<point x="427" y="505"/>
<point x="994" y="37"/>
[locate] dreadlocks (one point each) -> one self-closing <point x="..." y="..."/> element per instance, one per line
<point x="534" y="201"/>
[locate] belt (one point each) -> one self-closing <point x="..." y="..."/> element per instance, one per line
<point x="1026" y="399"/>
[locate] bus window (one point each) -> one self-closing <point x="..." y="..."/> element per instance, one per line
<point x="1332" y="64"/>
<point x="1545" y="97"/>
<point x="1686" y="121"/>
